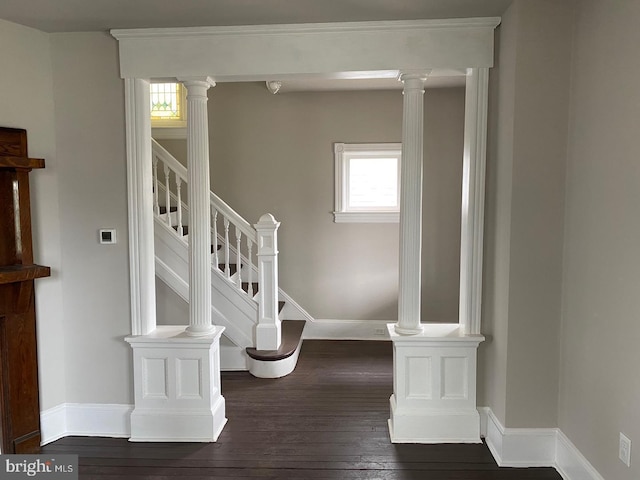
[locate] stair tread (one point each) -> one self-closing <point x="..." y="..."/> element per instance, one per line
<point x="233" y="268"/>
<point x="245" y="287"/>
<point x="291" y="335"/>
<point x="163" y="210"/>
<point x="185" y="229"/>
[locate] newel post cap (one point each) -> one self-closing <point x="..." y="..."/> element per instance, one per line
<point x="267" y="222"/>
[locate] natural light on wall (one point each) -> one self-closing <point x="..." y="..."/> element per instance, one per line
<point x="367" y="182"/>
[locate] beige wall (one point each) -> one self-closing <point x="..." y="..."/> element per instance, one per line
<point x="26" y="101"/>
<point x="89" y="114"/>
<point x="600" y="383"/>
<point x="526" y="202"/>
<point x="275" y="154"/>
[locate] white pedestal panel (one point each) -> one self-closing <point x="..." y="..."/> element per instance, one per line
<point x="434" y="386"/>
<point x="177" y="386"/>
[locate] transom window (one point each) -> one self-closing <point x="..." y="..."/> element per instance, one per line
<point x="367" y="182"/>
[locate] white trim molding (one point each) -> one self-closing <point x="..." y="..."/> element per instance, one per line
<point x="278" y="52"/>
<point x="335" y="329"/>
<point x="535" y="447"/>
<point x="343" y="154"/>
<point x="86" y="420"/>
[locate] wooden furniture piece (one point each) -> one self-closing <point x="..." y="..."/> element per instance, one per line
<point x="19" y="406"/>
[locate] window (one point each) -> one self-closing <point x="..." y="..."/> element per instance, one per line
<point x="168" y="110"/>
<point x="367" y="182"/>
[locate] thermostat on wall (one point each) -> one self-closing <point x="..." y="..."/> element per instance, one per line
<point x="108" y="236"/>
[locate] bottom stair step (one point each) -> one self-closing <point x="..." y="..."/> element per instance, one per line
<point x="291" y="335"/>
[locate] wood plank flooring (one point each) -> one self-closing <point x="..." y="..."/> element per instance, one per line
<point x="325" y="421"/>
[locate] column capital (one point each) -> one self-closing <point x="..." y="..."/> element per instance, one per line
<point x="204" y="82"/>
<point x="414" y="79"/>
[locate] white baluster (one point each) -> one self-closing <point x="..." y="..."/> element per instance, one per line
<point x="178" y="188"/>
<point x="167" y="193"/>
<point x="238" y="258"/>
<point x="250" y="291"/>
<point x="156" y="205"/>
<point x="227" y="272"/>
<point x="214" y="221"/>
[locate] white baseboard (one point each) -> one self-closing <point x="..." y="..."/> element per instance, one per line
<point x="85" y="419"/>
<point x="334" y="329"/>
<point x="571" y="463"/>
<point x="233" y="359"/>
<point x="534" y="447"/>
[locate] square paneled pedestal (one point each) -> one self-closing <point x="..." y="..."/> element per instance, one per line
<point x="434" y="386"/>
<point x="177" y="386"/>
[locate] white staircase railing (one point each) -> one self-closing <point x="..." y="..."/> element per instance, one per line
<point x="234" y="242"/>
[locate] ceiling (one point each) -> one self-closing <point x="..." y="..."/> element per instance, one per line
<point x="102" y="15"/>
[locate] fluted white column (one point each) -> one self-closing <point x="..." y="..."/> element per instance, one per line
<point x="411" y="204"/>
<point x="199" y="206"/>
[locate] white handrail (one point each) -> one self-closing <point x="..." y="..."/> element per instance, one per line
<point x="219" y="204"/>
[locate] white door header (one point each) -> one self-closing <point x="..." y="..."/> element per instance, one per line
<point x="330" y="50"/>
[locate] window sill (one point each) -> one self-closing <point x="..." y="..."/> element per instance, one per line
<point x="366" y="217"/>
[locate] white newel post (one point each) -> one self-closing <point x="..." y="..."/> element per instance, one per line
<point x="176" y="370"/>
<point x="434" y="381"/>
<point x="268" y="331"/>
<point x="199" y="206"/>
<point x="411" y="205"/>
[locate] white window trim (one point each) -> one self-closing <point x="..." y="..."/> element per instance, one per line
<point x="344" y="151"/>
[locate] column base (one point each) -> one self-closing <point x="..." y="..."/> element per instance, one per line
<point x="149" y="425"/>
<point x="423" y="426"/>
<point x="177" y="386"/>
<point x="434" y="386"/>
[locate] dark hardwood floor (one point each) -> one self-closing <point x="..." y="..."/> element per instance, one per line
<point x="325" y="421"/>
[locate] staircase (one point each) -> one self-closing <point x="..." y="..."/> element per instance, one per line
<point x="263" y="324"/>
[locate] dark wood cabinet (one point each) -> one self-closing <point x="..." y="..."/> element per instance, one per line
<point x="19" y="404"/>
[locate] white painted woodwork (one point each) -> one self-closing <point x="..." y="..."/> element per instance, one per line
<point x="409" y="288"/>
<point x="180" y="230"/>
<point x="214" y="221"/>
<point x="140" y="207"/>
<point x="199" y="206"/>
<point x="343" y="153"/>
<point x="434" y="386"/>
<point x="177" y="386"/>
<point x="422" y="410"/>
<point x="275" y="368"/>
<point x="278" y="52"/>
<point x="250" y="290"/>
<point x="156" y="204"/>
<point x="227" y="270"/>
<point x="268" y="331"/>
<point x="167" y="193"/>
<point x="473" y="180"/>
<point x="238" y="259"/>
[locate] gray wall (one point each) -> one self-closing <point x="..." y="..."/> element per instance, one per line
<point x="26" y="101"/>
<point x="525" y="218"/>
<point x="89" y="113"/>
<point x="600" y="383"/>
<point x="274" y="153"/>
